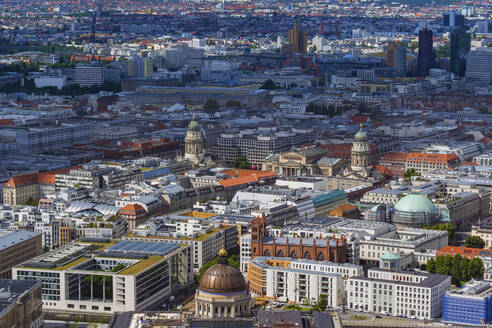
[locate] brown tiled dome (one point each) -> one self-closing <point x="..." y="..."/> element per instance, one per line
<point x="222" y="278"/>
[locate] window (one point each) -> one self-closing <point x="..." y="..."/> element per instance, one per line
<point x="70" y="306"/>
<point x="95" y="307"/>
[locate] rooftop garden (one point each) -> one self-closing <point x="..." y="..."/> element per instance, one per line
<point x="141" y="265"/>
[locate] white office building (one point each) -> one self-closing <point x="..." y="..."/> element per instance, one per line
<point x="479" y="65"/>
<point x="88" y="75"/>
<point x="398" y="293"/>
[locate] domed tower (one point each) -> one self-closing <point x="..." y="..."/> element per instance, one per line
<point x="361" y="153"/>
<point x="223" y="292"/>
<point x="194" y="142"/>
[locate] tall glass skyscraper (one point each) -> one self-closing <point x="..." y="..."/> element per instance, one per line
<point x="425" y="58"/>
<point x="460" y="46"/>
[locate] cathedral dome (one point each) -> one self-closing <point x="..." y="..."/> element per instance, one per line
<point x="361" y="135"/>
<point x="222" y="278"/>
<point x="193" y="125"/>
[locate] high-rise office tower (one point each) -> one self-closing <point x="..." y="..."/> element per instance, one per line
<point x="297" y="39"/>
<point x="479" y="65"/>
<point x="396" y="56"/>
<point x="460" y="46"/>
<point x="92" y="37"/>
<point x="453" y="19"/>
<point x="425" y="58"/>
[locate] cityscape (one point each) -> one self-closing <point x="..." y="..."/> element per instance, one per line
<point x="245" y="164"/>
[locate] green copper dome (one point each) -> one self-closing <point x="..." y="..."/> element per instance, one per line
<point x="193" y="125"/>
<point x="361" y="135"/>
<point x="416" y="203"/>
<point x="390" y="256"/>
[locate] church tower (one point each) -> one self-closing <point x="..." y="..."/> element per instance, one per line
<point x="361" y="153"/>
<point x="194" y="142"/>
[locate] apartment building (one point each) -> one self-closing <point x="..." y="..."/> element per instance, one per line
<point x="277" y="279"/>
<point x="484" y="159"/>
<point x="398" y="293"/>
<point x="16" y="247"/>
<point x="19" y="189"/>
<point x="428" y="162"/>
<point x="20" y="304"/>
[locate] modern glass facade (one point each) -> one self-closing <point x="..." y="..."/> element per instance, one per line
<point x="467" y="310"/>
<point x="50" y="282"/>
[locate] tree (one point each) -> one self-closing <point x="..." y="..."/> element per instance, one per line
<point x="443" y="51"/>
<point x="448" y="226"/>
<point x="474" y="242"/>
<point x="232" y="260"/>
<point x="241" y="162"/>
<point x="476" y="268"/>
<point x="31" y="202"/>
<point x="268" y="85"/>
<point x="431" y="265"/>
<point x="118" y="267"/>
<point x="458" y="267"/>
<point x="456" y="270"/>
<point x="410" y="173"/>
<point x="321" y="304"/>
<point x="443" y="264"/>
<point x="465" y="269"/>
<point x="211" y="105"/>
<point x="46" y="249"/>
<point x="233" y="103"/>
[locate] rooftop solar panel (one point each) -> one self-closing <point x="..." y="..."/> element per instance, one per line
<point x="142" y="247"/>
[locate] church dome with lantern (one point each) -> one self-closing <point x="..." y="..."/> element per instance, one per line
<point x="223" y="292"/>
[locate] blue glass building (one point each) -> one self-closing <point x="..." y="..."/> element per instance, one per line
<point x="470" y="305"/>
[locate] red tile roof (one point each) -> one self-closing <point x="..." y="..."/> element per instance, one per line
<point x="384" y="170"/>
<point x="394" y="157"/>
<point x="37" y="178"/>
<point x="442" y="158"/>
<point x="242" y="176"/>
<point x="132" y="208"/>
<point x="464" y="251"/>
<point x="6" y="122"/>
<point x="22" y="180"/>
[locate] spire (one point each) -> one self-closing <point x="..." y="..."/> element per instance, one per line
<point x="360" y="124"/>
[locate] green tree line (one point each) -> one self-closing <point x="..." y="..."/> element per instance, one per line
<point x="461" y="269"/>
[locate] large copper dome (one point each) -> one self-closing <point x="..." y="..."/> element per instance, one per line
<point x="222" y="278"/>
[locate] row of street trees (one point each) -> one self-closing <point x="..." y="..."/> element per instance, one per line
<point x="461" y="269"/>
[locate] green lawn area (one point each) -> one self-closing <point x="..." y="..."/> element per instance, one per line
<point x="297" y="307"/>
<point x="358" y="317"/>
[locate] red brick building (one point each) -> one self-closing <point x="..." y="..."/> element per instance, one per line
<point x="332" y="249"/>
